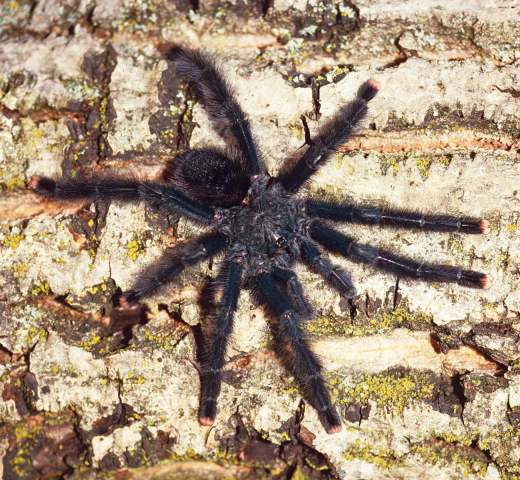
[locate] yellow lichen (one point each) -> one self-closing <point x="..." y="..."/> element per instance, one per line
<point x="436" y="453"/>
<point x="390" y="390"/>
<point x="455" y="245"/>
<point x="159" y="340"/>
<point x="297" y="131"/>
<point x="35" y="334"/>
<point x="503" y="260"/>
<point x="390" y="163"/>
<point x="55" y="369"/>
<point x="15" y="182"/>
<point x="134" y="249"/>
<point x="89" y="343"/>
<point x="445" y="161"/>
<point x="12" y="240"/>
<point x="423" y="165"/>
<point x="187" y="455"/>
<point x="383" y="322"/>
<point x="41" y="288"/>
<point x="135" y="379"/>
<point x="19" y="269"/>
<point x="382" y="457"/>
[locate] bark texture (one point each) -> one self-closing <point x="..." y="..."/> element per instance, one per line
<point x="426" y="377"/>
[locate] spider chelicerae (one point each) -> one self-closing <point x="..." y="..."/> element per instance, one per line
<point x="260" y="228"/>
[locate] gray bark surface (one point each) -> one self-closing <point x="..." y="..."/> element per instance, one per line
<point x="426" y="376"/>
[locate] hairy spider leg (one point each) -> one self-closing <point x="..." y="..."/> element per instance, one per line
<point x="346" y="212"/>
<point x="216" y="335"/>
<point x="294" y="289"/>
<point x="294" y="352"/>
<point x="126" y="190"/>
<point x="172" y="262"/>
<point x="337" y="242"/>
<point x="334" y="275"/>
<point x="333" y="134"/>
<point x="217" y="97"/>
<point x="208" y="176"/>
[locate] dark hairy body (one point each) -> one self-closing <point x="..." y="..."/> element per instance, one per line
<point x="261" y="229"/>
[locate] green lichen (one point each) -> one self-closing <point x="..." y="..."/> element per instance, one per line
<point x="382" y="457"/>
<point x="297" y="130"/>
<point x="139" y="16"/>
<point x="95" y="289"/>
<point x="12" y="238"/>
<point x="54" y="368"/>
<point x="445" y="160"/>
<point x="15" y="182"/>
<point x="455" y="245"/>
<point x="437" y="452"/>
<point x="159" y="340"/>
<point x="20" y="269"/>
<point x="466" y="438"/>
<point x="423" y="165"/>
<point x="26" y="435"/>
<point x="91" y="342"/>
<point x="40" y="288"/>
<point x="501" y="442"/>
<point x="135" y="379"/>
<point x="188" y="455"/>
<point x="35" y="334"/>
<point x="503" y="260"/>
<point x="341" y="164"/>
<point x="134" y="248"/>
<point x="392" y="390"/>
<point x="81" y="89"/>
<point x="392" y="163"/>
<point x="380" y="323"/>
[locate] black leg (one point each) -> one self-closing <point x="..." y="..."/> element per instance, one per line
<point x="208" y="176"/>
<point x="216" y="334"/>
<point x="348" y="247"/>
<point x="334" y="275"/>
<point x="345" y="212"/>
<point x="331" y="136"/>
<point x="217" y="97"/>
<point x="294" y="290"/>
<point x="123" y="190"/>
<point x="172" y="263"/>
<point x="294" y="352"/>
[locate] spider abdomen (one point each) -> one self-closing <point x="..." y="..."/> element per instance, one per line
<point x="209" y="176"/>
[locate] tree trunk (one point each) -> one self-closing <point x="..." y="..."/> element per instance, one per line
<point x="426" y="377"/>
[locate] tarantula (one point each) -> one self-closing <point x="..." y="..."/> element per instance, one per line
<point x="261" y="229"/>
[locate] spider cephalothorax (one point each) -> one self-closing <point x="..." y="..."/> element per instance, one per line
<point x="260" y="230"/>
<point x="264" y="231"/>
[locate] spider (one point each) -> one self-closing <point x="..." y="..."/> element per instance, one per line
<point x="261" y="228"/>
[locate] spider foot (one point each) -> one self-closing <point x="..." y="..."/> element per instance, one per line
<point x="126" y="315"/>
<point x="368" y="90"/>
<point x="330" y="419"/>
<point x="42" y="185"/>
<point x="207" y="412"/>
<point x="126" y="303"/>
